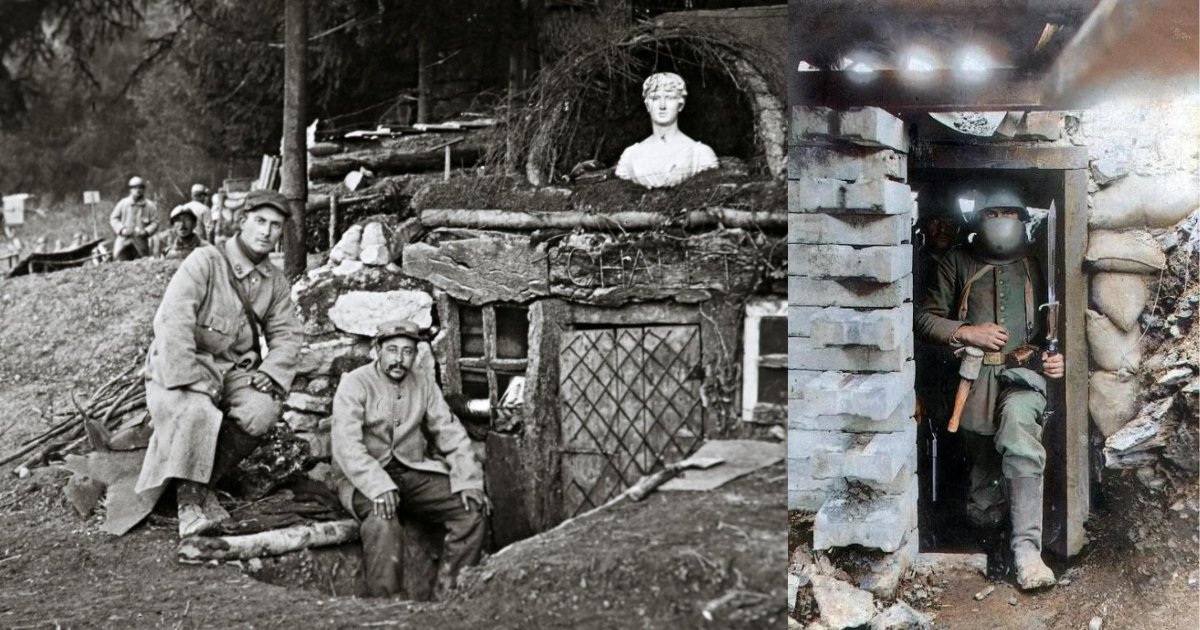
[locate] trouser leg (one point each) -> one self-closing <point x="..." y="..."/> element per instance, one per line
<point x="1019" y="443"/>
<point x="383" y="548"/>
<point x="427" y="496"/>
<point x="986" y="506"/>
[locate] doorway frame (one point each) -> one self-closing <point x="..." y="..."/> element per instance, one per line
<point x="1067" y="441"/>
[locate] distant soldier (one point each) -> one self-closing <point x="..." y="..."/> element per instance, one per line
<point x="134" y="219"/>
<point x="199" y="207"/>
<point x="219" y="222"/>
<point x="182" y="239"/>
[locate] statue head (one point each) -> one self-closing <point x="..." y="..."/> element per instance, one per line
<point x="664" y="94"/>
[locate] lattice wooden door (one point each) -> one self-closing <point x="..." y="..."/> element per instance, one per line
<point x="629" y="400"/>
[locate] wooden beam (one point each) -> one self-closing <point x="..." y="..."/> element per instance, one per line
<point x="1074" y="236"/>
<point x="996" y="155"/>
<point x="899" y="92"/>
<point x="1129" y="47"/>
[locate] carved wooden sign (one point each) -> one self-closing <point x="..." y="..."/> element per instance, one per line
<point x="612" y="270"/>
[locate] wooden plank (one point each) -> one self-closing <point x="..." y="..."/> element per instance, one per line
<point x="658" y="313"/>
<point x="1073" y="240"/>
<point x="933" y="91"/>
<point x="539" y="449"/>
<point x="447" y="350"/>
<point x="993" y="155"/>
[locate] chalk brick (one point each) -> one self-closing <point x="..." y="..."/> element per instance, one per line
<point x="799" y="418"/>
<point x="845" y="162"/>
<point x="876" y="196"/>
<point x="807" y="291"/>
<point x="805" y="444"/>
<point x="1041" y="125"/>
<point x="849" y="229"/>
<point x="804" y="354"/>
<point x="884" y="329"/>
<point x="867" y="126"/>
<point x="870" y="397"/>
<point x="880" y="523"/>
<point x="883" y="263"/>
<point x="806" y="493"/>
<point x="800" y="320"/>
<point x="876" y="459"/>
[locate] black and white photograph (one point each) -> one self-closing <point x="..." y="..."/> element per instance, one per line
<point x="993" y="262"/>
<point x="393" y="314"/>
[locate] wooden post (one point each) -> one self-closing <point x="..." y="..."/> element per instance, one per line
<point x="294" y="175"/>
<point x="333" y="220"/>
<point x="446" y="172"/>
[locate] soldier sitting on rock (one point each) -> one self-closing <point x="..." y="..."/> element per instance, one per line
<point x="211" y="388"/>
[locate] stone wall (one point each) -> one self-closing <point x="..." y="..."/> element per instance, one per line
<point x="851" y="438"/>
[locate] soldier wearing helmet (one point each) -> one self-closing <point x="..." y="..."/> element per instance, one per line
<point x="982" y="295"/>
<point x="134" y="220"/>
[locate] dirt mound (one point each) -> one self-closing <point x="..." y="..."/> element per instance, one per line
<point x="70" y="331"/>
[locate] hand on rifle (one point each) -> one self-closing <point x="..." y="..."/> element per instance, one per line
<point x="986" y="336"/>
<point x="1053" y="365"/>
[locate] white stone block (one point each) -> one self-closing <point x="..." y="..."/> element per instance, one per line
<point x="872" y="397"/>
<point x="800" y="320"/>
<point x="846" y="162"/>
<point x="849" y="229"/>
<point x="874" y="459"/>
<point x="877" y="196"/>
<point x="880" y="522"/>
<point x="884" y="329"/>
<point x="804" y="354"/>
<point x="806" y="493"/>
<point x="867" y="126"/>
<point x="881" y="263"/>
<point x="901" y="419"/>
<point x="807" y="291"/>
<point x="361" y="312"/>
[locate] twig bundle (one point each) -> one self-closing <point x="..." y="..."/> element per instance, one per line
<point x="108" y="406"/>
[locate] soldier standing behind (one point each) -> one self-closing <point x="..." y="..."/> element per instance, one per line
<point x="134" y="220"/>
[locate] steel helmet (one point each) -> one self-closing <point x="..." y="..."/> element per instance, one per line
<point x="1000" y="240"/>
<point x="137" y="182"/>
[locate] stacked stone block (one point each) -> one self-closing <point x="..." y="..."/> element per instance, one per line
<point x="851" y="437"/>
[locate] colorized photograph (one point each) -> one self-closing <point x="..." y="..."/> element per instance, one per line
<point x="993" y="265"/>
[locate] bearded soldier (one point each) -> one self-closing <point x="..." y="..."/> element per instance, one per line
<point x="983" y="295"/>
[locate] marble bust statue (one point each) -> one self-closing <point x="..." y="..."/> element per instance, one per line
<point x="668" y="156"/>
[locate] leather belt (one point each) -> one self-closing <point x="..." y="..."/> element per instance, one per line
<point x="994" y="358"/>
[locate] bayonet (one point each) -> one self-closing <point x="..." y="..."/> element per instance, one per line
<point x="1051" y="304"/>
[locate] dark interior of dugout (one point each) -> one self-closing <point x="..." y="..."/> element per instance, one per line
<point x="943" y="468"/>
<point x="612" y="114"/>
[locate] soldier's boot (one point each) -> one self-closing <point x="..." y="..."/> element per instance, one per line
<point x="194" y="519"/>
<point x="1025" y="497"/>
<point x="200" y="509"/>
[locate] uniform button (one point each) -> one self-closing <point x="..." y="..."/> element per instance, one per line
<point x="1002" y="307"/>
<point x="238" y="269"/>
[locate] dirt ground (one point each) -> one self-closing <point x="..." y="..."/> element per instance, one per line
<point x="660" y="563"/>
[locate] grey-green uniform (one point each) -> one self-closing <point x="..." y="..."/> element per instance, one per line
<point x="1002" y="417"/>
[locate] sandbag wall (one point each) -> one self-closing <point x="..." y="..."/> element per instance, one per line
<point x="1141" y="257"/>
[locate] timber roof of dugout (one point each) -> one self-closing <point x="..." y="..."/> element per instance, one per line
<point x="1048" y="54"/>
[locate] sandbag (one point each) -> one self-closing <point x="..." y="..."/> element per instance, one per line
<point x="1133" y="251"/>
<point x="1145" y="202"/>
<point x="1112" y="348"/>
<point x="1112" y="401"/>
<point x="1121" y="297"/>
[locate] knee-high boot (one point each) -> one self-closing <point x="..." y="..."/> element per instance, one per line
<point x="1025" y="498"/>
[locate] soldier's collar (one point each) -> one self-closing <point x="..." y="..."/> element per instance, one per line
<point x="242" y="266"/>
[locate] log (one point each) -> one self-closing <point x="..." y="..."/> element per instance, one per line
<point x="388" y="161"/>
<point x="270" y="543"/>
<point x="631" y="220"/>
<point x="322" y="149"/>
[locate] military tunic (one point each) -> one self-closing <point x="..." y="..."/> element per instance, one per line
<point x="1004" y="404"/>
<point x="133" y="215"/>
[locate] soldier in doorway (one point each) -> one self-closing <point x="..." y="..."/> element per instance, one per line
<point x="983" y="295"/>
